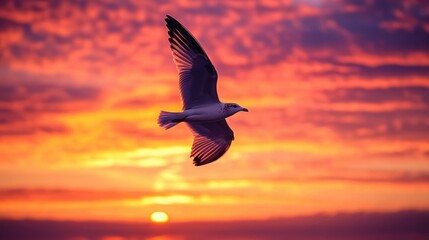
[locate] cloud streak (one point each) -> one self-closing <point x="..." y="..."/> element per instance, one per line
<point x="397" y="225"/>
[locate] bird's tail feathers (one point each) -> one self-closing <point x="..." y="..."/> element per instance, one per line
<point x="170" y="119"/>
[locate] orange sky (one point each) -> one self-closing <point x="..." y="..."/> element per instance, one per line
<point x="338" y="94"/>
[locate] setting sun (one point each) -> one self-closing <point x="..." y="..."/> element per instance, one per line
<point x="159" y="217"/>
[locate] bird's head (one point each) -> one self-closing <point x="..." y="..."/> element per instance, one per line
<point x="233" y="108"/>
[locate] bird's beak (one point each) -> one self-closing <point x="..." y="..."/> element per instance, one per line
<point x="244" y="110"/>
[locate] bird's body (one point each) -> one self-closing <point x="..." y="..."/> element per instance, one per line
<point x="205" y="113"/>
<point x="202" y="110"/>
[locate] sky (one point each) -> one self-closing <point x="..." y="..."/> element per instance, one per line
<point x="337" y="92"/>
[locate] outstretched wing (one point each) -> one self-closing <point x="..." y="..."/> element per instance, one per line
<point x="198" y="76"/>
<point x="211" y="141"/>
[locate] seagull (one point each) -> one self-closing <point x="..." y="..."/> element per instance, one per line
<point x="202" y="111"/>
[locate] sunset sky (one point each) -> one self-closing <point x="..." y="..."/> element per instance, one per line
<point x="337" y="92"/>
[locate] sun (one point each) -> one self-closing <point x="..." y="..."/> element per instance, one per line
<point x="159" y="217"/>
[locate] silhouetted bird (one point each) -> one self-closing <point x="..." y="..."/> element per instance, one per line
<point x="202" y="110"/>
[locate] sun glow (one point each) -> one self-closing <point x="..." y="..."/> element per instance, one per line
<point x="159" y="217"/>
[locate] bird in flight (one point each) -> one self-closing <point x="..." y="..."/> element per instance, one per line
<point x="202" y="111"/>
